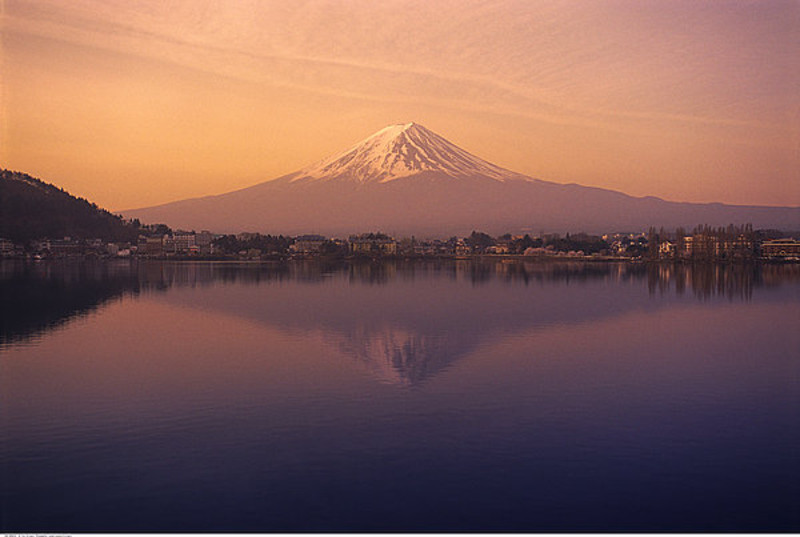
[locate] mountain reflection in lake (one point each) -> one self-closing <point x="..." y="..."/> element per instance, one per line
<point x="398" y="396"/>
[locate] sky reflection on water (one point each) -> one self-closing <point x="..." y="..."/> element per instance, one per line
<point x="438" y="396"/>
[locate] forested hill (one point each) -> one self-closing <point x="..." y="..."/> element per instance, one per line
<point x="32" y="209"/>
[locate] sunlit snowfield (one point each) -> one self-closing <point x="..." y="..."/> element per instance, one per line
<point x="399" y="397"/>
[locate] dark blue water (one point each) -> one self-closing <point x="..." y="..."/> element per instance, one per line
<point x="449" y="396"/>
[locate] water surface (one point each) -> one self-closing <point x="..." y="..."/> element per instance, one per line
<point x="398" y="397"/>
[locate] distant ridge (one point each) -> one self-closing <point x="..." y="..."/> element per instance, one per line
<point x="408" y="180"/>
<point x="32" y="209"/>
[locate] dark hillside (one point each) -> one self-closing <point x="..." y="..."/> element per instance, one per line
<point x="32" y="209"/>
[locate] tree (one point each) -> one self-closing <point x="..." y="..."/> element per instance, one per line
<point x="652" y="243"/>
<point x="479" y="241"/>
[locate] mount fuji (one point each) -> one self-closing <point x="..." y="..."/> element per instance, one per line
<point x="401" y="151"/>
<point x="406" y="179"/>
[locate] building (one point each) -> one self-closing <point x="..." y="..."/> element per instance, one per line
<point x="308" y="244"/>
<point x="708" y="246"/>
<point x="151" y="245"/>
<point x="373" y="244"/>
<point x="461" y="248"/>
<point x="64" y="247"/>
<point x="168" y="244"/>
<point x="498" y="249"/>
<point x="203" y="241"/>
<point x="780" y="248"/>
<point x="666" y="249"/>
<point x="184" y="242"/>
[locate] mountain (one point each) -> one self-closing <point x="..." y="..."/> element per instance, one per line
<point x="32" y="209"/>
<point x="400" y="151"/>
<point x="406" y="179"/>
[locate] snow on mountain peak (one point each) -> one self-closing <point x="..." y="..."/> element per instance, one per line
<point x="399" y="151"/>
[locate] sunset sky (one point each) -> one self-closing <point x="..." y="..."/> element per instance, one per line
<point x="132" y="103"/>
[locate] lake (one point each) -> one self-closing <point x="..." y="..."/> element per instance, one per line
<point x="399" y="396"/>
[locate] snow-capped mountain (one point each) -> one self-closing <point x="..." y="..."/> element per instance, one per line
<point x="408" y="180"/>
<point x="399" y="151"/>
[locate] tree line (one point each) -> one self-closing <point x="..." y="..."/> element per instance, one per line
<point x="31" y="209"/>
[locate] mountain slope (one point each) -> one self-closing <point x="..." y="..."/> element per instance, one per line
<point x="407" y="180"/>
<point x="400" y="151"/>
<point x="32" y="209"/>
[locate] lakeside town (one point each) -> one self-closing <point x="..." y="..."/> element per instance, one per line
<point x="702" y="244"/>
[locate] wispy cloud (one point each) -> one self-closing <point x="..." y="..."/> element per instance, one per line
<point x="608" y="90"/>
<point x="505" y="82"/>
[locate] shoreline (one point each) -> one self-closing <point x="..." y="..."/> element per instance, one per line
<point x="388" y="258"/>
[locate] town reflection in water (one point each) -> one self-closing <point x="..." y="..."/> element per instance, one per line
<point x="403" y="321"/>
<point x="703" y="280"/>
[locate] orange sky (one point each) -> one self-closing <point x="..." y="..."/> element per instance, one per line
<point x="134" y="103"/>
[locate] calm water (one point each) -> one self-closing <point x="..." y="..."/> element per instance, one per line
<point x="398" y="397"/>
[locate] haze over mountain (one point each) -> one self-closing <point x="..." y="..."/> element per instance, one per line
<point x="406" y="179"/>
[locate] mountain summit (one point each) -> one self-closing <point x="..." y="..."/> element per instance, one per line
<point x="400" y="151"/>
<point x="407" y="180"/>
